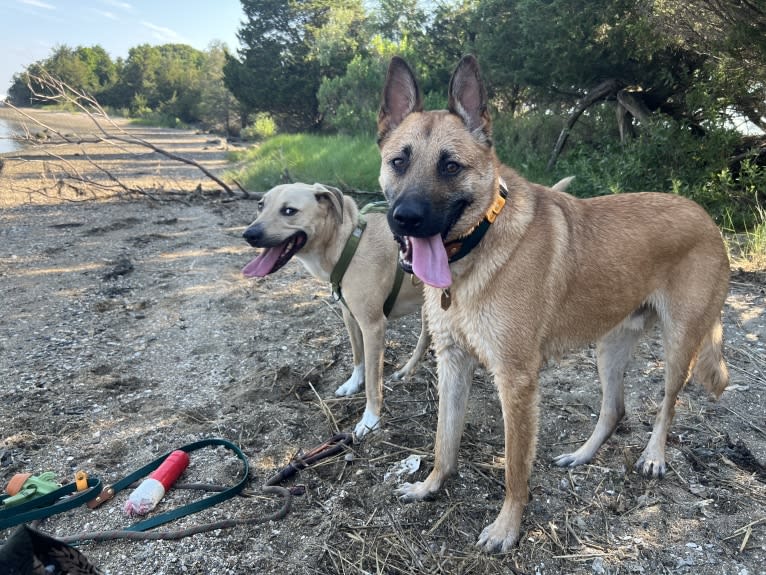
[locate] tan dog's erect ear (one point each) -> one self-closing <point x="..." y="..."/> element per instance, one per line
<point x="332" y="195"/>
<point x="468" y="99"/>
<point x="401" y="97"/>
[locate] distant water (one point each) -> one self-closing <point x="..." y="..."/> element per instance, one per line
<point x="7" y="129"/>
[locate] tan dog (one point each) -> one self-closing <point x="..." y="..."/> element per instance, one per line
<point x="312" y="223"/>
<point x="549" y="272"/>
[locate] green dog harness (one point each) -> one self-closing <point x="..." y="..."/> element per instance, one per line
<point x="336" y="277"/>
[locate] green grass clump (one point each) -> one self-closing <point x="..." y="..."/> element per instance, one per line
<point x="747" y="249"/>
<point x="351" y="163"/>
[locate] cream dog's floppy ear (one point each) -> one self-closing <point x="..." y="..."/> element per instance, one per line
<point x="333" y="195"/>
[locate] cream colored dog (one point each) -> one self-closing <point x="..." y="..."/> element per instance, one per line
<point x="516" y="272"/>
<point x="312" y="223"/>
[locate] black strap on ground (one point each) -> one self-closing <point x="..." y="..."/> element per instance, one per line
<point x="338" y="443"/>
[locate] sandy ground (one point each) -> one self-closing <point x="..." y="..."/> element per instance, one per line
<point x="126" y="330"/>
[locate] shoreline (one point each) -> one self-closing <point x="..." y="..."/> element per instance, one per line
<point x="56" y="119"/>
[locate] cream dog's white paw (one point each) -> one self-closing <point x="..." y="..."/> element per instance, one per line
<point x="369" y="422"/>
<point x="354" y="384"/>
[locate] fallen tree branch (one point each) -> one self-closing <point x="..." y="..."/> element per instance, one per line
<point x="47" y="88"/>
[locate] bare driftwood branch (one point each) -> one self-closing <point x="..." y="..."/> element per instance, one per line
<point x="47" y="88"/>
<point x="629" y="106"/>
<point x="600" y="92"/>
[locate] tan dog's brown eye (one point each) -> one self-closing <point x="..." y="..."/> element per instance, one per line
<point x="452" y="168"/>
<point x="449" y="168"/>
<point x="260" y="205"/>
<point x="288" y="211"/>
<point x="399" y="164"/>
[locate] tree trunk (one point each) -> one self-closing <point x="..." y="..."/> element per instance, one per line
<point x="629" y="105"/>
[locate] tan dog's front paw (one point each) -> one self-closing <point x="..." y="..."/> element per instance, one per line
<point x="651" y="464"/>
<point x="498" y="537"/>
<point x="409" y="492"/>
<point x="400" y="375"/>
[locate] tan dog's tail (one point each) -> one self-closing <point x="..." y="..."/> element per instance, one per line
<point x="710" y="369"/>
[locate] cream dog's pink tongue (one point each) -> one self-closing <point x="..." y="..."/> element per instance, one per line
<point x="263" y="264"/>
<point x="429" y="261"/>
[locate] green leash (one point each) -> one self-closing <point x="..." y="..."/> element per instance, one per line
<point x="196" y="506"/>
<point x="52" y="503"/>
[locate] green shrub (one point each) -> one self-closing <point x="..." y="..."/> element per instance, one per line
<point x="349" y="104"/>
<point x="525" y="142"/>
<point x="747" y="249"/>
<point x="665" y="156"/>
<point x="156" y="118"/>
<point x="262" y="126"/>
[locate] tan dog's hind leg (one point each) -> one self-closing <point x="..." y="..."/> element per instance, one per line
<point x="456" y="367"/>
<point x="354" y="383"/>
<point x="678" y="359"/>
<point x="690" y="326"/>
<point x="710" y="369"/>
<point x="424" y="340"/>
<point x="613" y="354"/>
<point x="518" y="397"/>
<point x="681" y="339"/>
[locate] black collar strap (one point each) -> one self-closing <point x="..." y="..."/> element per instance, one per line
<point x="461" y="247"/>
<point x="336" y="276"/>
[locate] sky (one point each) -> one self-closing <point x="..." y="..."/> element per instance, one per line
<point x="30" y="29"/>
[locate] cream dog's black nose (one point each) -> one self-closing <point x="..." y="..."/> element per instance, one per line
<point x="253" y="235"/>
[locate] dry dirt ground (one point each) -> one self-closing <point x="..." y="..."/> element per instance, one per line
<point x="126" y="330"/>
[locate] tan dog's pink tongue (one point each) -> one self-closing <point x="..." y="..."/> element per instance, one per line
<point x="429" y="261"/>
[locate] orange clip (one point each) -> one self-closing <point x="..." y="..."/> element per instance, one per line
<point x="497" y="205"/>
<point x="81" y="480"/>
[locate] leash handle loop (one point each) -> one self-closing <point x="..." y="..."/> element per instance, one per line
<point x="196" y="506"/>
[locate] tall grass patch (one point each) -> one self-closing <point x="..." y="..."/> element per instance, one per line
<point x="747" y="248"/>
<point x="351" y="163"/>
